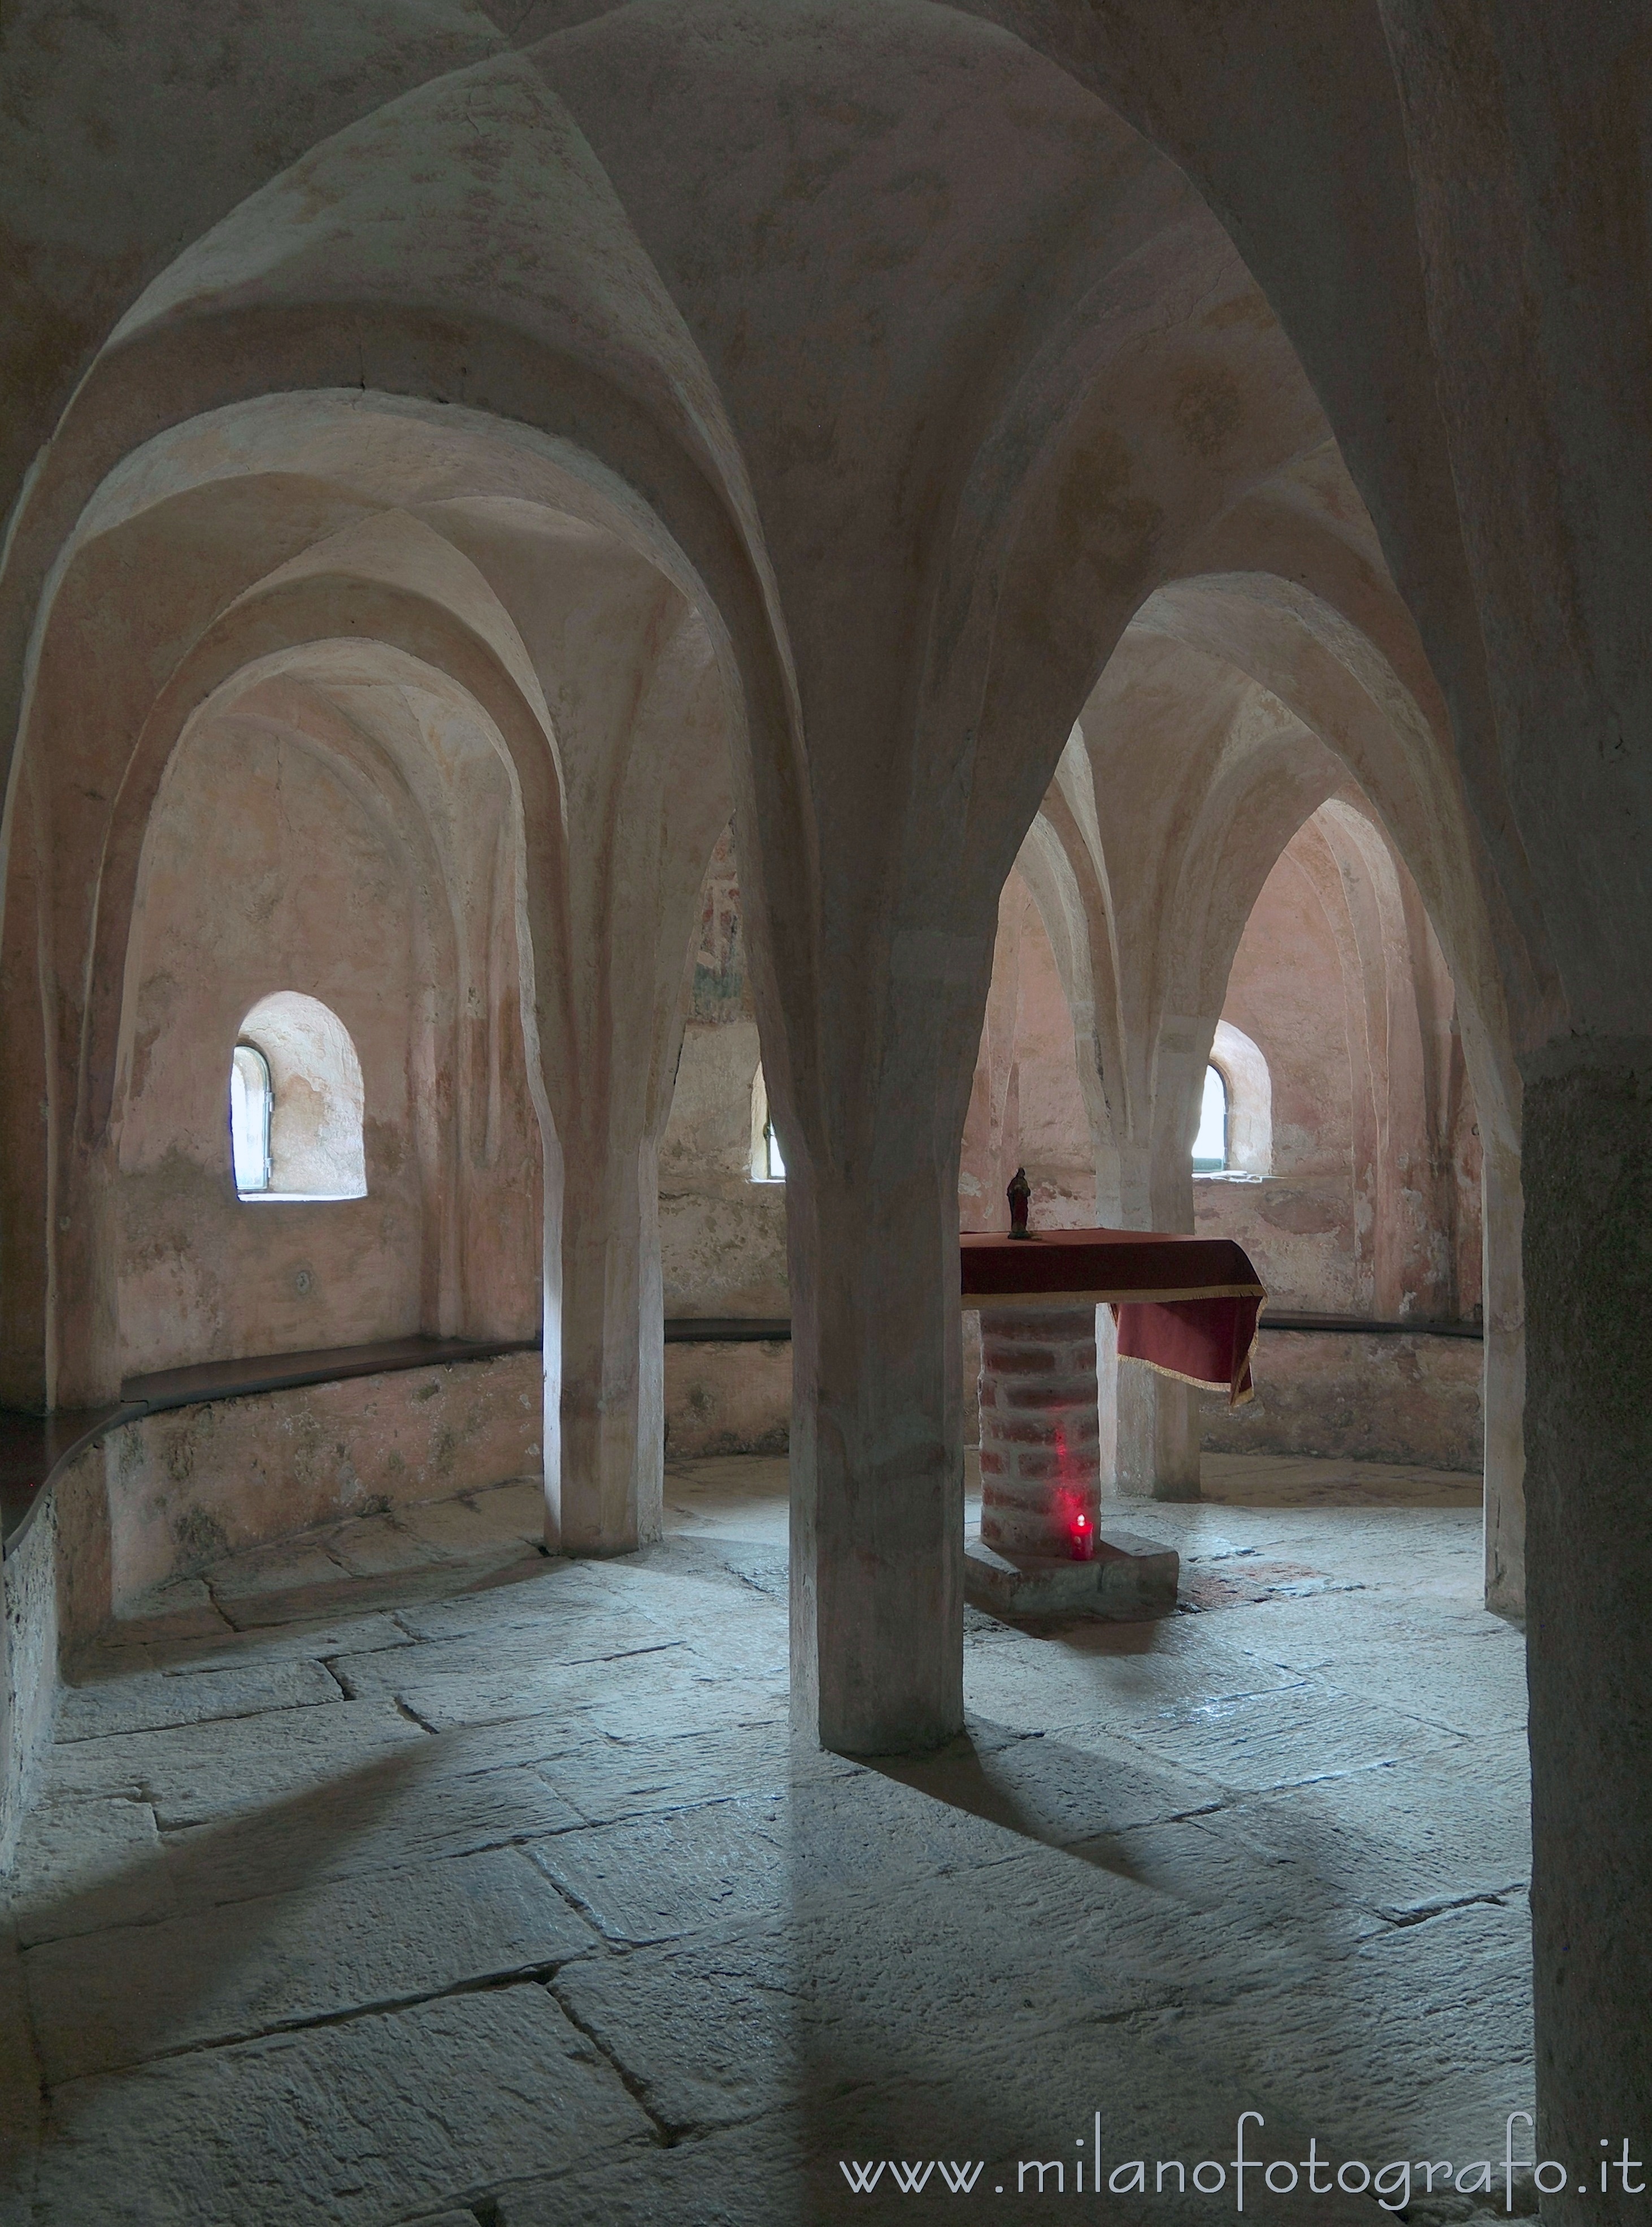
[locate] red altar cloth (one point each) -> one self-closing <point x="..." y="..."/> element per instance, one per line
<point x="1186" y="1306"/>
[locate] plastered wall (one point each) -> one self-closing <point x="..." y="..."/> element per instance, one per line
<point x="269" y="867"/>
<point x="1373" y="1190"/>
<point x="1373" y="1205"/>
<point x="265" y="873"/>
<point x="1026" y="1106"/>
<point x="1285" y="993"/>
<point x="722" y="1235"/>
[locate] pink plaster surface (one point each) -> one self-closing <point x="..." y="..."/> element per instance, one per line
<point x="1372" y="1205"/>
<point x="266" y="869"/>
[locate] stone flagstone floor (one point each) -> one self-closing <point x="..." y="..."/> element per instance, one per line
<point x="403" y="1874"/>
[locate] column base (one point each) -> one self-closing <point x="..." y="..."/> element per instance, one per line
<point x="1128" y="1578"/>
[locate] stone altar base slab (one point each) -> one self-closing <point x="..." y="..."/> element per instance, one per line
<point x="1128" y="1577"/>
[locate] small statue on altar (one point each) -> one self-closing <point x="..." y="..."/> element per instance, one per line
<point x="1020" y="1194"/>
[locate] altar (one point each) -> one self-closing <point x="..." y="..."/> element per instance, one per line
<point x="1187" y="1306"/>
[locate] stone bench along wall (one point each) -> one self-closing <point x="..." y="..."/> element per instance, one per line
<point x="163" y="1496"/>
<point x="728" y="1399"/>
<point x="189" y="1485"/>
<point x="28" y="1690"/>
<point x="1406" y="1396"/>
<point x="1388" y="1396"/>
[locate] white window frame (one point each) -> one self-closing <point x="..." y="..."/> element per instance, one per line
<point x="1248" y="1144"/>
<point x="767" y="1163"/>
<point x="1205" y="1165"/>
<point x="253" y="1177"/>
<point x="315" y="1147"/>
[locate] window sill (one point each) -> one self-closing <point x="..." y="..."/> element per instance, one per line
<point x="296" y="1197"/>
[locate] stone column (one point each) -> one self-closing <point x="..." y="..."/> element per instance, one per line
<point x="26" y="1122"/>
<point x="1150" y="1424"/>
<point x="877" y="1455"/>
<point x="613" y="1347"/>
<point x="1504" y="1395"/>
<point x="83" y="1323"/>
<point x="1041" y="1476"/>
<point x="1587" y="1158"/>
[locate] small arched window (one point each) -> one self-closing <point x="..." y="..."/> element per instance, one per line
<point x="1210" y="1145"/>
<point x="767" y="1165"/>
<point x="251" y="1102"/>
<point x="296" y="1104"/>
<point x="1235" y="1139"/>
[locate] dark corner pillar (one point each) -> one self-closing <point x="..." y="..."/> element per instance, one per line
<point x="1587" y="1166"/>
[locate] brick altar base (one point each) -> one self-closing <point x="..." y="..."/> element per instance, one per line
<point x="1040" y="1432"/>
<point x="1040" y="1551"/>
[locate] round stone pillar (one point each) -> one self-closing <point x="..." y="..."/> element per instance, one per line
<point x="1041" y="1470"/>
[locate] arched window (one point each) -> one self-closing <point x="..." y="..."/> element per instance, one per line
<point x="1210" y="1145"/>
<point x="296" y="1104"/>
<point x="1235" y="1139"/>
<point x="767" y="1165"/>
<point x="251" y="1101"/>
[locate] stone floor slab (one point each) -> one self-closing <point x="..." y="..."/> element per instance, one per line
<point x="607" y="1781"/>
<point x="1269" y="1851"/>
<point x="1048" y="1790"/>
<point x="515" y="1508"/>
<point x="752" y="2178"/>
<point x="452" y="1795"/>
<point x="374" y="1545"/>
<point x="1290" y="1737"/>
<point x="631" y="1695"/>
<point x="1380" y="2041"/>
<point x="260" y="1608"/>
<point x="283" y="1568"/>
<point x="21" y="2100"/>
<point x="316" y="1638"/>
<point x="195" y="1773"/>
<point x="528" y="1650"/>
<point x="147" y="1703"/>
<point x="988" y="1966"/>
<point x="1441" y="1830"/>
<point x="538" y="1591"/>
<point x="182" y="1609"/>
<point x="1468" y="1686"/>
<point x="85" y="1866"/>
<point x="655" y="1878"/>
<point x="341" y="2126"/>
<point x="106" y="2001"/>
<point x="1108" y="1675"/>
<point x="456" y="1529"/>
<point x="1307" y="1634"/>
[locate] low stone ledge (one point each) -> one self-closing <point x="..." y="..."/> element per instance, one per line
<point x="139" y="1496"/>
<point x="35" y="1450"/>
<point x="724" y="1397"/>
<point x="1128" y="1578"/>
<point x="1359" y="1392"/>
